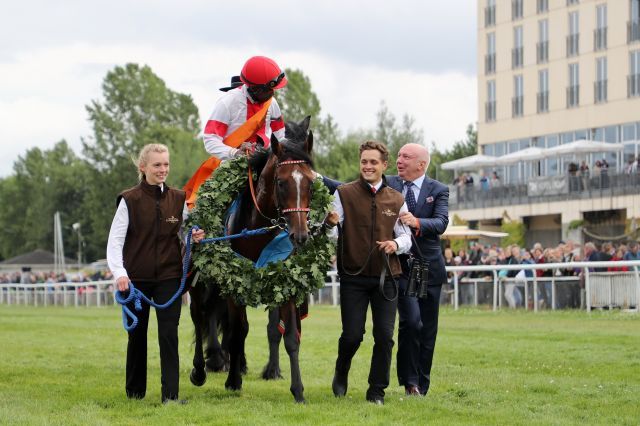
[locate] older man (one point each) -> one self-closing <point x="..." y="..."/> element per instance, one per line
<point x="428" y="216"/>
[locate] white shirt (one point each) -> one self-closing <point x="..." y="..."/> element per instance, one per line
<point x="402" y="233"/>
<point x="117" y="235"/>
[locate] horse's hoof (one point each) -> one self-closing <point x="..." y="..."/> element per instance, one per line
<point x="301" y="400"/>
<point x="271" y="372"/>
<point x="233" y="385"/>
<point x="198" y="377"/>
<point x="216" y="365"/>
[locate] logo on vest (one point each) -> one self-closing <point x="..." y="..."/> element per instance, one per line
<point x="172" y="220"/>
<point x="388" y="212"/>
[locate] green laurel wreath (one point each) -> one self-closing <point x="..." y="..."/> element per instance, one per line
<point x="274" y="284"/>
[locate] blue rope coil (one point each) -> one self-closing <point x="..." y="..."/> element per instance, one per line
<point x="138" y="297"/>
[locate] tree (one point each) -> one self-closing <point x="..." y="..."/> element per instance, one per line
<point x="44" y="182"/>
<point x="460" y="149"/>
<point x="138" y="108"/>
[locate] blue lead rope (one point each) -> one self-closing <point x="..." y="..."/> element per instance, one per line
<point x="138" y="297"/>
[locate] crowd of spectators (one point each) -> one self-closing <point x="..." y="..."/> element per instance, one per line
<point x="40" y="277"/>
<point x="564" y="252"/>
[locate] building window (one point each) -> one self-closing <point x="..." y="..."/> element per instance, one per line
<point x="633" y="26"/>
<point x="633" y="80"/>
<point x="490" y="58"/>
<point x="542" y="48"/>
<point x="517" y="53"/>
<point x="543" y="91"/>
<point x="600" y="85"/>
<point x="518" y="96"/>
<point x="542" y="6"/>
<point x="573" y="39"/>
<point x="572" y="2"/>
<point x="573" y="91"/>
<point x="490" y="13"/>
<point x="516" y="9"/>
<point x="600" y="33"/>
<point x="490" y="106"/>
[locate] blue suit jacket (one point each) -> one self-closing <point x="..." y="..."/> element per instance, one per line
<point x="432" y="210"/>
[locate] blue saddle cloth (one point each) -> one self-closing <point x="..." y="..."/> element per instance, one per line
<point x="278" y="249"/>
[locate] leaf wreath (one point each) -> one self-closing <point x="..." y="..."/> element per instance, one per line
<point x="237" y="277"/>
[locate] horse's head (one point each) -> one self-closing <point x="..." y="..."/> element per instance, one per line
<point x="293" y="177"/>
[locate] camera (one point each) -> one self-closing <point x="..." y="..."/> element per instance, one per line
<point x="418" y="278"/>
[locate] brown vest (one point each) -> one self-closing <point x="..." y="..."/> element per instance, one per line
<point x="367" y="218"/>
<point x="152" y="245"/>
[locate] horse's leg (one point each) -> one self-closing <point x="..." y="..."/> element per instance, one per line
<point x="198" y="374"/>
<point x="271" y="371"/>
<point x="292" y="345"/>
<point x="216" y="359"/>
<point x="239" y="329"/>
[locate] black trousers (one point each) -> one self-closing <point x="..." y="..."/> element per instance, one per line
<point x="356" y="293"/>
<point x="168" y="320"/>
<point x="417" y="337"/>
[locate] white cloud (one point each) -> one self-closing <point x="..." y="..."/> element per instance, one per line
<point x="43" y="92"/>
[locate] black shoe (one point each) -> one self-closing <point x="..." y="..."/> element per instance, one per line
<point x="135" y="395"/>
<point x="412" y="390"/>
<point x="377" y="400"/>
<point x="339" y="384"/>
<point x="166" y="401"/>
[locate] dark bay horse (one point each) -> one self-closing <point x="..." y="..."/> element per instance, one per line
<point x="283" y="193"/>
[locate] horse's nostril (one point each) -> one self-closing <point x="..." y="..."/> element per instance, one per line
<point x="299" y="239"/>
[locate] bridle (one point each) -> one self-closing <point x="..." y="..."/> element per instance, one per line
<point x="280" y="220"/>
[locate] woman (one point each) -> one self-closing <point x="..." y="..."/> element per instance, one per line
<point x="144" y="247"/>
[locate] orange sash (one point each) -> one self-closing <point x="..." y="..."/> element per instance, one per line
<point x="248" y="129"/>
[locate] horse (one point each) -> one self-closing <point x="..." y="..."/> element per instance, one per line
<point x="283" y="194"/>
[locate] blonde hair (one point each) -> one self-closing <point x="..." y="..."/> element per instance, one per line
<point x="143" y="157"/>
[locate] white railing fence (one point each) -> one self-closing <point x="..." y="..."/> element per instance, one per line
<point x="593" y="289"/>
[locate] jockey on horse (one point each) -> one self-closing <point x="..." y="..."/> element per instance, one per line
<point x="241" y="117"/>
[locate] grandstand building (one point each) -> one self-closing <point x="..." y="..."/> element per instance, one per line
<point x="551" y="73"/>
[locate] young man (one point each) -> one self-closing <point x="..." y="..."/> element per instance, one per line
<point x="428" y="217"/>
<point x="370" y="238"/>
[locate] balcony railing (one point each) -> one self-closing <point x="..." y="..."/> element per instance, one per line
<point x="573" y="44"/>
<point x="489" y="16"/>
<point x="543" y="102"/>
<point x="573" y="96"/>
<point x="490" y="111"/>
<point x="517" y="55"/>
<point x="633" y="85"/>
<point x="542" y="6"/>
<point x="633" y="31"/>
<point x="600" y="91"/>
<point x="517" y="106"/>
<point x="542" y="52"/>
<point x="600" y="38"/>
<point x="544" y="189"/>
<point x="490" y="63"/>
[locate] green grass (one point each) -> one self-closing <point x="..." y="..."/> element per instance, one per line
<point x="66" y="366"/>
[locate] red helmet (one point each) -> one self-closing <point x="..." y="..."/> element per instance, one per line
<point x="262" y="71"/>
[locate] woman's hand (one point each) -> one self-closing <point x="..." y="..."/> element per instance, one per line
<point x="197" y="235"/>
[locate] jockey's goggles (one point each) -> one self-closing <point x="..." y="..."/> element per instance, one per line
<point x="269" y="85"/>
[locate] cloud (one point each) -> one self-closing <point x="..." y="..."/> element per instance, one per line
<point x="43" y="91"/>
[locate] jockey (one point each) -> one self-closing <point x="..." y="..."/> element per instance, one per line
<point x="261" y="77"/>
<point x="241" y="115"/>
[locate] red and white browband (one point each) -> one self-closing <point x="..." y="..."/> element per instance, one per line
<point x="285" y="163"/>
<point x="296" y="209"/>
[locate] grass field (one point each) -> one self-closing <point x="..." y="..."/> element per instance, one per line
<point x="66" y="366"/>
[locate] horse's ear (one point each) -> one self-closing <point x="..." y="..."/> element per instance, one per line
<point x="304" y="124"/>
<point x="309" y="142"/>
<point x="275" y="144"/>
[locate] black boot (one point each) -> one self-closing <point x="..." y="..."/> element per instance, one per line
<point x="340" y="383"/>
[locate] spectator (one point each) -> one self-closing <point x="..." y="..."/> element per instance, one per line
<point x="617" y="257"/>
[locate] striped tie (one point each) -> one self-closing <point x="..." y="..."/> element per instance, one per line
<point x="409" y="197"/>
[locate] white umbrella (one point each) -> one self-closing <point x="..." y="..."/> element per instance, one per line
<point x="456" y="232"/>
<point x="528" y="154"/>
<point x="582" y="146"/>
<point x="470" y="163"/>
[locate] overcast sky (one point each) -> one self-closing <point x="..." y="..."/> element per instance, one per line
<point x="418" y="56"/>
